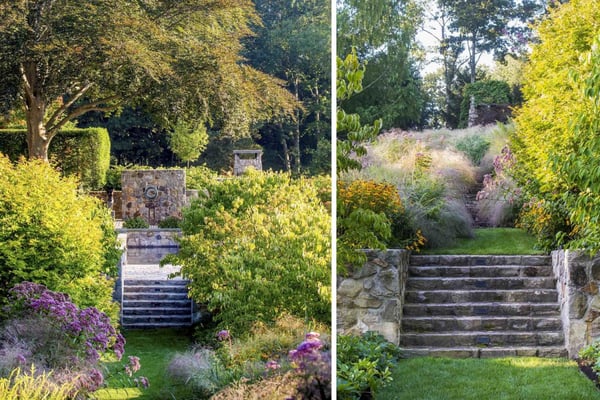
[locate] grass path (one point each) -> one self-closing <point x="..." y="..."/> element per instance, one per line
<point x="488" y="379"/>
<point x="495" y="241"/>
<point x="155" y="348"/>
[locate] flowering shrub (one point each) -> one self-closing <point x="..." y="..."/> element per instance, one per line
<point x="259" y="363"/>
<point x="371" y="215"/>
<point x="52" y="333"/>
<point x="314" y="367"/>
<point x="500" y="199"/>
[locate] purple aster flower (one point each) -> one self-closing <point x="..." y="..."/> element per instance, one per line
<point x="223" y="335"/>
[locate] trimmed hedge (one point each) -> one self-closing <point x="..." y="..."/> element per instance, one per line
<point x="83" y="153"/>
<point x="484" y="92"/>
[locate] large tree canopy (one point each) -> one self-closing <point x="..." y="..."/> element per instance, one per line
<point x="181" y="59"/>
<point x="383" y="34"/>
<point x="294" y="45"/>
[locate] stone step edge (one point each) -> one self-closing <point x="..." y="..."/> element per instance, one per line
<point x="479" y="260"/>
<point x="484" y="352"/>
<point x="478" y="290"/>
<point x="156" y="325"/>
<point x="481" y="270"/>
<point x="482" y="304"/>
<point x="478" y="317"/>
<point x="478" y="333"/>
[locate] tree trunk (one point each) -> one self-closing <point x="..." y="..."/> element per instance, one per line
<point x="286" y="154"/>
<point x="38" y="140"/>
<point x="297" y="128"/>
<point x="473" y="59"/>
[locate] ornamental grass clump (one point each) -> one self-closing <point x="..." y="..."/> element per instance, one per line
<point x="53" y="334"/>
<point x="29" y="384"/>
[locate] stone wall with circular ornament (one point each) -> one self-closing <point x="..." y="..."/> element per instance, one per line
<point x="153" y="194"/>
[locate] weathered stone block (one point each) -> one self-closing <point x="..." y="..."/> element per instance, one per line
<point x="578" y="275"/>
<point x="577" y="305"/>
<point x="367" y="302"/>
<point x="349" y="288"/>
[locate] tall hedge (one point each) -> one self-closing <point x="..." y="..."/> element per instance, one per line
<point x="83" y="153"/>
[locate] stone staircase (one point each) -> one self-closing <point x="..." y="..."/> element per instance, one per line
<point x="155" y="303"/>
<point x="149" y="298"/>
<point x="481" y="306"/>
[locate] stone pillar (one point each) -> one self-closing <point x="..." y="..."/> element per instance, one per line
<point x="371" y="299"/>
<point x="578" y="277"/>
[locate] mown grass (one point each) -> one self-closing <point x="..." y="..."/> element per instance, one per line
<point x="494" y="379"/>
<point x="498" y="241"/>
<point x="155" y="348"/>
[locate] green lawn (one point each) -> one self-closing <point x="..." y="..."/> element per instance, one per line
<point x="488" y="379"/>
<point x="155" y="348"/>
<point x="504" y="241"/>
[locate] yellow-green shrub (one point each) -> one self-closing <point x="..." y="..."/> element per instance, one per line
<point x="257" y="247"/>
<point x="54" y="235"/>
<point x="556" y="137"/>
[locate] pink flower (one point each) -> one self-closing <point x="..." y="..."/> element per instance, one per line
<point x="223" y="335"/>
<point x="273" y="365"/>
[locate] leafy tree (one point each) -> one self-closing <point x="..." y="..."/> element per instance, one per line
<point x="180" y="59"/>
<point x="294" y="44"/>
<point x="555" y="142"/>
<point x="383" y="34"/>
<point x="464" y="31"/>
<point x="485" y="26"/>
<point x="187" y="141"/>
<point x="357" y="227"/>
<point x="350" y="133"/>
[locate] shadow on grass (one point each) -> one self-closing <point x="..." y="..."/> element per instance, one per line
<point x="497" y="379"/>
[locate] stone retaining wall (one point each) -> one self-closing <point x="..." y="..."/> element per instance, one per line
<point x="371" y="299"/>
<point x="578" y="278"/>
<point x="151" y="237"/>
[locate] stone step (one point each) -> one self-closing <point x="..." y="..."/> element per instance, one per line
<point x="482" y="338"/>
<point x="156" y="282"/>
<point x="169" y="304"/>
<point x="444" y="283"/>
<point x="486" y="352"/>
<point x="481" y="271"/>
<point x="155" y="325"/>
<point x="154" y="296"/>
<point x="491" y="309"/>
<point x="441" y="324"/>
<point x="163" y="288"/>
<point x="157" y="310"/>
<point x="470" y="296"/>
<point x="467" y="260"/>
<point x="151" y="319"/>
